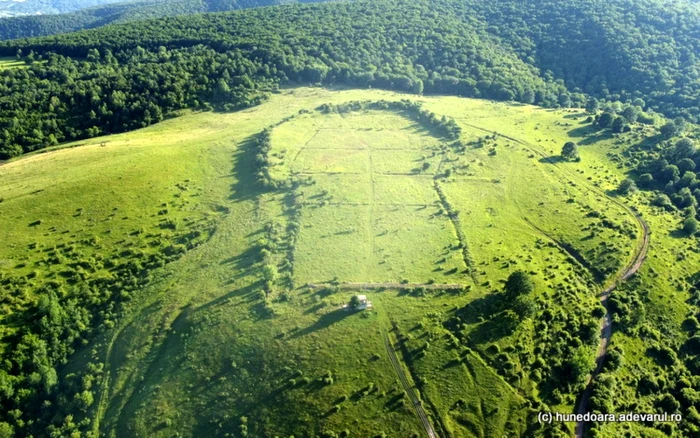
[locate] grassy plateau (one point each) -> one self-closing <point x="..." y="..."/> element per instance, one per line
<point x="242" y="331"/>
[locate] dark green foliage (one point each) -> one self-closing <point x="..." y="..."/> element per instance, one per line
<point x="262" y="159"/>
<point x="646" y="180"/>
<point x="690" y="226"/>
<point x="70" y="311"/>
<point x="592" y="105"/>
<point x="518" y="283"/>
<point x="90" y="15"/>
<point x="133" y="89"/>
<point x="570" y="152"/>
<point x="684" y="148"/>
<point x="618" y="125"/>
<point x="606" y="120"/>
<point x="669" y="130"/>
<point x="524" y="307"/>
<point x="250" y="51"/>
<point x="626" y="187"/>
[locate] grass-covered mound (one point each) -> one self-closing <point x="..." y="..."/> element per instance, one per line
<point x="274" y="213"/>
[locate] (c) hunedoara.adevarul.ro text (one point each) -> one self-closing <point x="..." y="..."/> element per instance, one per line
<point x="556" y="417"/>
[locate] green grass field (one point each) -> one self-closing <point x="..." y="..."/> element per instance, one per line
<point x="201" y="349"/>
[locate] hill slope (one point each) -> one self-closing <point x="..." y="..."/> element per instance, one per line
<point x="224" y="333"/>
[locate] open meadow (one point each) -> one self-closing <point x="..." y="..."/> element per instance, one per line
<point x="238" y="328"/>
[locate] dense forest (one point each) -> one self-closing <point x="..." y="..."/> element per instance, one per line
<point x="442" y="46"/>
<point x="28" y="26"/>
<point x="117" y="78"/>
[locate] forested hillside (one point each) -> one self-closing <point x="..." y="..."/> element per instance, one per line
<point x="40" y="25"/>
<point x="117" y="78"/>
<point x="619" y="50"/>
<point x="500" y="50"/>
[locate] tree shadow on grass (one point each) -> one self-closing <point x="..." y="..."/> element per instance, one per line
<point x="650" y="142"/>
<point x="499" y="326"/>
<point x="245" y="186"/>
<point x="593" y="139"/>
<point x="679" y="234"/>
<point x="481" y="308"/>
<point x="553" y="159"/>
<point x="324" y="321"/>
<point x="249" y="293"/>
<point x="584" y="131"/>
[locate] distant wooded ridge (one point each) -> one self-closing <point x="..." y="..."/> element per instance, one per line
<point x="121" y="77"/>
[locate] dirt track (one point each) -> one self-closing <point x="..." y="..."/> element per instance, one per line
<point x="606" y="325"/>
<point x="401" y="286"/>
<point x="630" y="269"/>
<point x="408" y="388"/>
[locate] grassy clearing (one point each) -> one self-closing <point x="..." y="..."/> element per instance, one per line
<point x="204" y="350"/>
<point x="10" y="63"/>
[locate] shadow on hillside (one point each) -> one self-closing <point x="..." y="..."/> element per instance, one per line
<point x="323" y="322"/>
<point x="593" y="139"/>
<point x="249" y="293"/>
<point x="552" y="159"/>
<point x="243" y="264"/>
<point x="584" y="131"/>
<point x="481" y="308"/>
<point x="245" y="186"/>
<point x="499" y="326"/>
<point x="649" y="142"/>
<point x="679" y="234"/>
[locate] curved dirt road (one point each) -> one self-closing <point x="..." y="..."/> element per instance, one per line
<point x="606" y="326"/>
<point x="630" y="269"/>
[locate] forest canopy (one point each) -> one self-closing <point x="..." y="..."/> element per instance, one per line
<point x="120" y="77"/>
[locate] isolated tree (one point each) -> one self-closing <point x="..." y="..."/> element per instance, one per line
<point x="518" y="283"/>
<point x="570" y="151"/>
<point x="354" y="302"/>
<point x="524" y="307"/>
<point x="626" y="187"/>
<point x="690" y="226"/>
